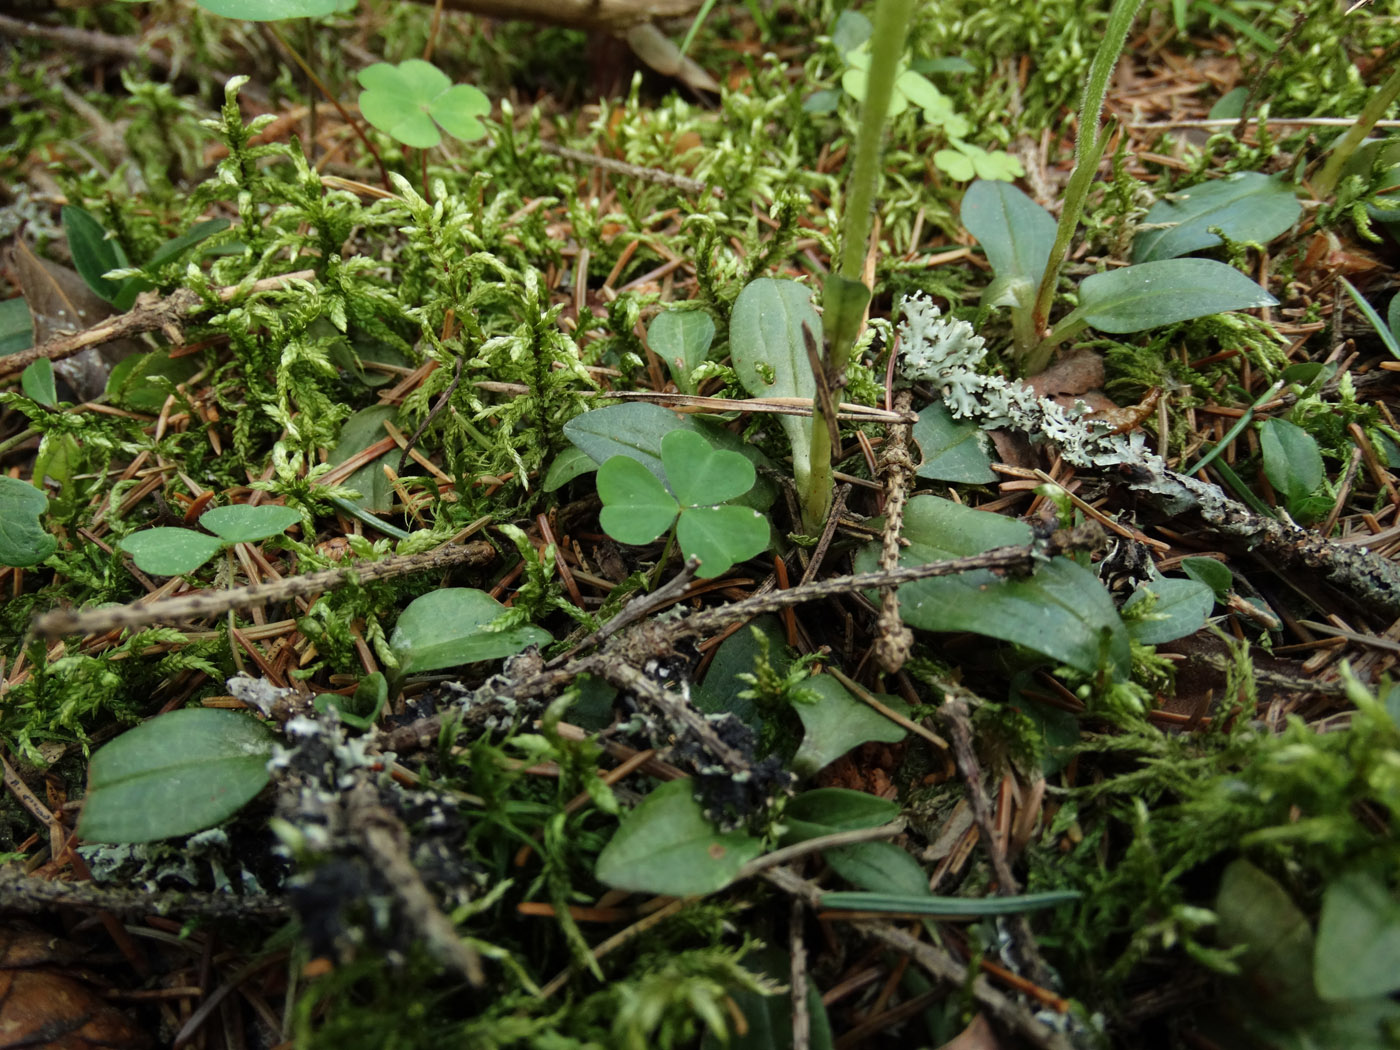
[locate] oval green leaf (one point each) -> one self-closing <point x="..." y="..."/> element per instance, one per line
<point x="1062" y="610"/>
<point x="1153" y="294"/>
<point x="176" y="774"/>
<point x="766" y="343"/>
<point x="37" y="382"/>
<point x="23" y="541"/>
<point x="837" y="722"/>
<point x="274" y="10"/>
<point x="243" y="524"/>
<point x="445" y="628"/>
<point x="358" y="433"/>
<point x="1248" y="206"/>
<point x="170" y="552"/>
<point x="1214" y="574"/>
<point x="1016" y="233"/>
<point x="571" y="463"/>
<point x="1182" y="608"/>
<point x="682" y="339"/>
<point x="1292" y="461"/>
<point x="1357" y="953"/>
<point x="666" y="845"/>
<point x="952" y="450"/>
<point x="16" y="327"/>
<point x="825" y="811"/>
<point x="93" y="252"/>
<point x="879" y="867"/>
<point x="636" y="507"/>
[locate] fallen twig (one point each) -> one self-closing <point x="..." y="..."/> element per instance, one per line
<point x="63" y="622"/>
<point x="151" y="314"/>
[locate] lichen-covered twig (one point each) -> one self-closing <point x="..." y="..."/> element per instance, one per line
<point x="893" y="640"/>
<point x="946" y="354"/>
<point x="151" y="314"/>
<point x="62" y="622"/>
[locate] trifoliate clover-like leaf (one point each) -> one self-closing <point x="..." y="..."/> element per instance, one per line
<point x="412" y="100"/>
<point x="637" y="508"/>
<point x="909" y="88"/>
<point x="966" y="161"/>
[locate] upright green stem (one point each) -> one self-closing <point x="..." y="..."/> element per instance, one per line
<point x="1331" y="172"/>
<point x="845" y="295"/>
<point x="1088" y="150"/>
<point x="886" y="50"/>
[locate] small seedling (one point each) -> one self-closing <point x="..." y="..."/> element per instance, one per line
<point x="637" y="508"/>
<point x="171" y="552"/>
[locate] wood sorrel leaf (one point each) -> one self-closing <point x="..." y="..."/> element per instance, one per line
<point x="1153" y="294"/>
<point x="721" y="536"/>
<point x="636" y="507"/>
<point x="1016" y="233"/>
<point x="770" y="354"/>
<point x="666" y="845"/>
<point x="1247" y="206"/>
<point x="244" y="524"/>
<point x="412" y="100"/>
<point x="23" y="541"/>
<point x="176" y="774"/>
<point x="700" y="474"/>
<point x="170" y="552"/>
<point x="636" y="430"/>
<point x="446" y="628"/>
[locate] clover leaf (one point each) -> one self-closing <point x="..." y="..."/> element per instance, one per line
<point x="412" y="100"/>
<point x="637" y="507"/>
<point x="966" y="161"/>
<point x="909" y="88"/>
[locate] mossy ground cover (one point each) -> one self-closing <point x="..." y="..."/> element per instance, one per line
<point x="414" y="361"/>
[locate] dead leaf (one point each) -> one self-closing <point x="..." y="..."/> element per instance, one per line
<point x="43" y="1009"/>
<point x="60" y="301"/>
<point x="979" y="1035"/>
<point x="660" y="52"/>
<point x="1075" y="373"/>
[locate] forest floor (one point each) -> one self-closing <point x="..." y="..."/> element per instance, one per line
<point x="356" y="690"/>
